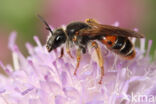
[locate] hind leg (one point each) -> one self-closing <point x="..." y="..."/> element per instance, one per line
<point x="100" y="60"/>
<point x="91" y="21"/>
<point x="78" y="55"/>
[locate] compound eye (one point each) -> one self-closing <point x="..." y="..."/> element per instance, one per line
<point x="58" y="39"/>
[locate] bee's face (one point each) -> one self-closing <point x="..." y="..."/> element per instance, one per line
<point x="56" y="40"/>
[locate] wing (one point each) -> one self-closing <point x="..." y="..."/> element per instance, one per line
<point x="99" y="29"/>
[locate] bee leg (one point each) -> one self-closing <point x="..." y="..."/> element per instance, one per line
<point x="91" y="21"/>
<point x="68" y="50"/>
<point x="78" y="54"/>
<point x="100" y="59"/>
<point x="62" y="53"/>
<point x="69" y="53"/>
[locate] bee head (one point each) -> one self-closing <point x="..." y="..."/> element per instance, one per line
<point x="56" y="39"/>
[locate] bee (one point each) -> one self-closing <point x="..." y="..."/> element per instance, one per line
<point x="91" y="32"/>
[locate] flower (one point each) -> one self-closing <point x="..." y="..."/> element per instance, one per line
<point x="43" y="78"/>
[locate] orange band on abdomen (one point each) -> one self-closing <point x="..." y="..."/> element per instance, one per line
<point x="109" y="40"/>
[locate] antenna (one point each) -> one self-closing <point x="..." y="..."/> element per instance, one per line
<point x="47" y="26"/>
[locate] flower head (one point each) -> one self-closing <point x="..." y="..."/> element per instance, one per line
<point x="43" y="78"/>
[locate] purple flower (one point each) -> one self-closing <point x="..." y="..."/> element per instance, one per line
<point x="43" y="78"/>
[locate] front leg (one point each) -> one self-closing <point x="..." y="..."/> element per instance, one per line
<point x="68" y="50"/>
<point x="62" y="53"/>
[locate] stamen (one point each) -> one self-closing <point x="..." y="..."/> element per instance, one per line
<point x="116" y="24"/>
<point x="133" y="41"/>
<point x="142" y="45"/>
<point x="149" y="47"/>
<point x="37" y="41"/>
<point x="29" y="48"/>
<point x="15" y="61"/>
<point x="27" y="91"/>
<point x="136" y="29"/>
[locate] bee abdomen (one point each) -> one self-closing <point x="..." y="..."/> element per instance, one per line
<point x="120" y="45"/>
<point x="124" y="47"/>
